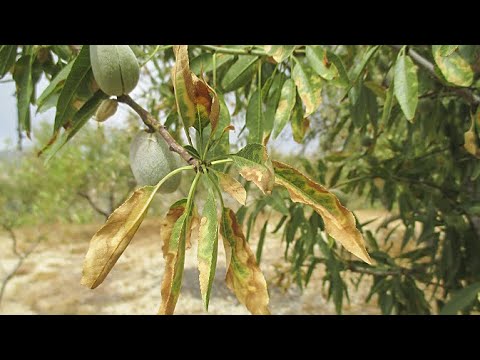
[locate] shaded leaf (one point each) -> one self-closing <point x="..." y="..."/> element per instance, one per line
<point x="471" y="141"/>
<point x="339" y="221"/>
<point x="204" y="62"/>
<point x="446" y="50"/>
<point x="388" y="104"/>
<point x="261" y="241"/>
<point x="239" y="73"/>
<point x="279" y="52"/>
<point x="300" y="124"/>
<point x="319" y="61"/>
<point x="244" y="277"/>
<point x="22" y="74"/>
<point x="406" y="85"/>
<point x="112" y="239"/>
<point x="232" y="187"/>
<point x="254" y="165"/>
<point x="461" y="299"/>
<point x="309" y="86"/>
<point x="207" y="247"/>
<point x="285" y="106"/>
<point x="454" y="67"/>
<point x="254" y="118"/>
<point x="222" y="139"/>
<point x="272" y="100"/>
<point x="8" y="53"/>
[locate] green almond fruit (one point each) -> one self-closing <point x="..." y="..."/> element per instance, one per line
<point x="115" y="68"/>
<point x="151" y="160"/>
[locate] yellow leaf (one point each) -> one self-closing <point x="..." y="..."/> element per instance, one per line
<point x="244" y="277"/>
<point x="471" y="141"/>
<point x="339" y="221"/>
<point x="233" y="187"/>
<point x="112" y="239"/>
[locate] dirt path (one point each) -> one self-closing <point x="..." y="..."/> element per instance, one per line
<point x="49" y="280"/>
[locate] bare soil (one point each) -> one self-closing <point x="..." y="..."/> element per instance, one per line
<point x="49" y="280"/>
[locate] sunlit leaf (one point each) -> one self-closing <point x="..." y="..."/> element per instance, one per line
<point x="279" y="52"/>
<point x="309" y="87"/>
<point x="285" y="106"/>
<point x="239" y="73"/>
<point x="254" y="165"/>
<point x="54" y="86"/>
<point x="406" y="85"/>
<point x="232" y="187"/>
<point x="244" y="277"/>
<point x="447" y="50"/>
<point x="454" y="67"/>
<point x="112" y="239"/>
<point x="207" y="247"/>
<point x="339" y="221"/>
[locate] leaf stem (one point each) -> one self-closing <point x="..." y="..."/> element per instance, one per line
<point x="221" y="161"/>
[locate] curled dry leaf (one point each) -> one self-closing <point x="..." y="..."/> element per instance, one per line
<point x="339" y="221"/>
<point x="244" y="276"/>
<point x="232" y="187"/>
<point x="112" y="239"/>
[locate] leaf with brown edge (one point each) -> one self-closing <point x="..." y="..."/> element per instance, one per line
<point x="207" y="247"/>
<point x="254" y="165"/>
<point x="232" y="187"/>
<point x="244" y="276"/>
<point x="112" y="239"/>
<point x="470" y="138"/>
<point x="167" y="223"/>
<point x="339" y="221"/>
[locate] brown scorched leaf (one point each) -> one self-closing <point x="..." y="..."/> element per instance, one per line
<point x="112" y="239"/>
<point x="232" y="187"/>
<point x="339" y="221"/>
<point x="244" y="276"/>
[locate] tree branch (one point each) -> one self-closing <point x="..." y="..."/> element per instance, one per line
<point x="92" y="204"/>
<point x="467" y="94"/>
<point x="232" y="51"/>
<point x="155" y="125"/>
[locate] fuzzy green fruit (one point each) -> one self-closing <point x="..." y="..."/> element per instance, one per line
<point x="151" y="161"/>
<point x="115" y="68"/>
<point x="107" y="109"/>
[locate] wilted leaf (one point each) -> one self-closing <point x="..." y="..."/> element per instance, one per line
<point x="167" y="223"/>
<point x="319" y="61"/>
<point x="285" y="106"/>
<point x="339" y="221"/>
<point x="309" y="87"/>
<point x="244" y="277"/>
<point x="22" y="75"/>
<point x="461" y="299"/>
<point x="232" y="187"/>
<point x="454" y="67"/>
<point x="254" y="165"/>
<point x="207" y="247"/>
<point x="239" y="73"/>
<point x="279" y="52"/>
<point x="79" y="87"/>
<point x="300" y="124"/>
<point x="113" y="238"/>
<point x="406" y="85"/>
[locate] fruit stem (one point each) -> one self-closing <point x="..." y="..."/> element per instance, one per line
<point x="154" y="124"/>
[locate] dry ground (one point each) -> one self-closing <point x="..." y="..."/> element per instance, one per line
<point x="49" y="280"/>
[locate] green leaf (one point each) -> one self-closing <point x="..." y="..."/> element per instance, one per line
<point x="254" y="165"/>
<point x="239" y="73"/>
<point x="54" y="86"/>
<point x="339" y="221"/>
<point x="22" y="75"/>
<point x="357" y="71"/>
<point x="285" y="106"/>
<point x="279" y="52"/>
<point x="8" y="53"/>
<point x="207" y="247"/>
<point x="309" y="86"/>
<point x="299" y="122"/>
<point x="388" y="104"/>
<point x="276" y="201"/>
<point x="261" y="241"/>
<point x="222" y="136"/>
<point x="343" y="79"/>
<point x="272" y="101"/>
<point x="454" y="67"/>
<point x="461" y="299"/>
<point x="244" y="276"/>
<point x="254" y="118"/>
<point x="79" y="87"/>
<point x="406" y="85"/>
<point x="446" y="50"/>
<point x="204" y="62"/>
<point x="318" y="59"/>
